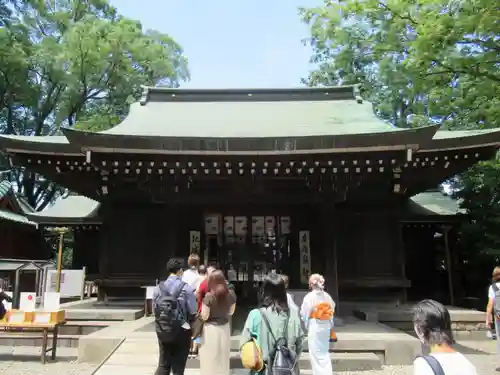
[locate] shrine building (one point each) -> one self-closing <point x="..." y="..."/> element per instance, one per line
<point x="259" y="180"/>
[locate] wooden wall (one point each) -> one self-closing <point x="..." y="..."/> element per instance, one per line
<point x="137" y="239"/>
<point x="86" y="250"/>
<point x="19" y="241"/>
<point x="347" y="246"/>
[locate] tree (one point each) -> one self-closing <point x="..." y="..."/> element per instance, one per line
<point x="479" y="189"/>
<point x="75" y="63"/>
<point x="438" y="60"/>
<point x="431" y="58"/>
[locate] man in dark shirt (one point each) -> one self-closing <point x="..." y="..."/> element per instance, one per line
<point x="174" y="354"/>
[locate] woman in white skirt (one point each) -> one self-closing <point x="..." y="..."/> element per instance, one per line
<point x="317" y="312"/>
<point x="216" y="310"/>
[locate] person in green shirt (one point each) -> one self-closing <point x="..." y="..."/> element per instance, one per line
<point x="273" y="303"/>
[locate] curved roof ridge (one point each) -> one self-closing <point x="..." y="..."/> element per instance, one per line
<point x="168" y="94"/>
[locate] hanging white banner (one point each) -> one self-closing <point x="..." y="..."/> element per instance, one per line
<point x="305" y="256"/>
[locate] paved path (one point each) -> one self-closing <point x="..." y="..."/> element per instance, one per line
<point x="26" y="360"/>
<point x="139" y="356"/>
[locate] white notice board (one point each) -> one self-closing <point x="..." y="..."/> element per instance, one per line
<point x="72" y="282"/>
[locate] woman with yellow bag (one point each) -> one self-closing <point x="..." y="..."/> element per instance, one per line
<point x="267" y="325"/>
<point x="317" y="312"/>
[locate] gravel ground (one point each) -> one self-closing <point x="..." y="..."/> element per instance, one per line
<point x="26" y="360"/>
<point x="22" y="360"/>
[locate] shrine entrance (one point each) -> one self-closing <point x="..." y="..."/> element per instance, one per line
<point x="247" y="248"/>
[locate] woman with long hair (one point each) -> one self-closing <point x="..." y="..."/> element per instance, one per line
<point x="216" y="310"/>
<point x="432" y="324"/>
<point x="273" y="320"/>
<point x="317" y="312"/>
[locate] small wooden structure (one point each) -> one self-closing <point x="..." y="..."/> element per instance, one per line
<point x="19" y="236"/>
<point x="292" y="180"/>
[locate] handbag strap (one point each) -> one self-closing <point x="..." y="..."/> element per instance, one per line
<point x="434" y="364"/>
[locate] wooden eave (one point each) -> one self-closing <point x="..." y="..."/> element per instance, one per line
<point x="456" y="140"/>
<point x="383" y="141"/>
<point x="37" y="145"/>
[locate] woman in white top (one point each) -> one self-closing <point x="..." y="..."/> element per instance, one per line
<point x="317" y="312"/>
<point x="191" y="276"/>
<point x="432" y="324"/>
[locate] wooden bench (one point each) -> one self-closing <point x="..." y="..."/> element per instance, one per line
<point x="35" y="327"/>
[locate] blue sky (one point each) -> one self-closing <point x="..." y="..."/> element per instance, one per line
<point x="232" y="44"/>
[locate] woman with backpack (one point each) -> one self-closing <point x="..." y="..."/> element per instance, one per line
<point x="272" y="325"/>
<point x="317" y="312"/>
<point x="216" y="310"/>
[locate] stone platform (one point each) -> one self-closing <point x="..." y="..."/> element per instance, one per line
<point x="91" y="310"/>
<point x="362" y="346"/>
<point x="466" y="323"/>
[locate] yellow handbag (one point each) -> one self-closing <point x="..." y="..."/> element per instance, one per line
<point x="251" y="356"/>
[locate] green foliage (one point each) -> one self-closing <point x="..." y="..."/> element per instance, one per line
<point x="74" y="63"/>
<point x="479" y="190"/>
<point x="433" y="58"/>
<point x="428" y="61"/>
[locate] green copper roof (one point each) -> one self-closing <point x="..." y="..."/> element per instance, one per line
<point x="24" y="207"/>
<point x="251" y="119"/>
<point x="5" y="188"/>
<point x="11" y="216"/>
<point x="434" y="203"/>
<point x="73" y="209"/>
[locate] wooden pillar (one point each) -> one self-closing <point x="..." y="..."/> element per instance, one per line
<point x="402" y="260"/>
<point x="449" y="264"/>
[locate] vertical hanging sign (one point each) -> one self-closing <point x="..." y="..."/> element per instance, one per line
<point x="194" y="242"/>
<point x="305" y="256"/>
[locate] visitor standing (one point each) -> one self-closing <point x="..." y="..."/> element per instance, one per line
<point x="432" y="324"/>
<point x="493" y="307"/>
<point x="289" y="296"/>
<point x="217" y="307"/>
<point x="203" y="287"/>
<point x="202" y="275"/>
<point x="174" y="305"/>
<point x="191" y="275"/>
<point x="317" y="312"/>
<point x="202" y="271"/>
<point x="272" y="322"/>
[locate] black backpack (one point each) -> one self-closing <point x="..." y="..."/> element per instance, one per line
<point x="282" y="359"/>
<point x="169" y="314"/>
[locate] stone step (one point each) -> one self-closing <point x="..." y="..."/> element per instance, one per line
<point x="150" y="370"/>
<point x="35" y="339"/>
<point x="343" y="345"/>
<point x="82" y="327"/>
<point x="340" y="361"/>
